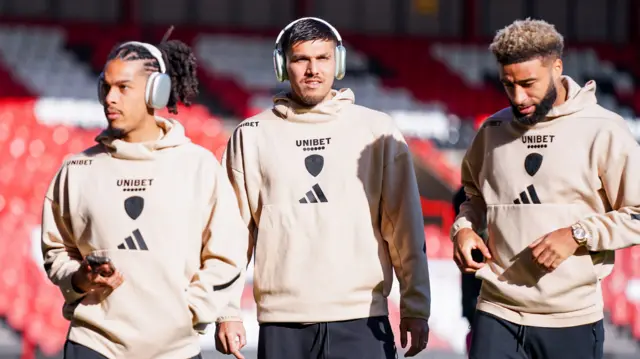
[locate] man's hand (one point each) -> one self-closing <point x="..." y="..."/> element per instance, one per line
<point x="419" y="329"/>
<point x="230" y="338"/>
<point x="465" y="241"/>
<point x="550" y="250"/>
<point x="104" y="277"/>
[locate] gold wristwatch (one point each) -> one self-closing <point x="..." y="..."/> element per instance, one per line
<point x="580" y="234"/>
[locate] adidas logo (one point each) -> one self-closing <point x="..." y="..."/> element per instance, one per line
<point x="532" y="164"/>
<point x="531" y="198"/>
<point x="310" y="197"/>
<point x="129" y="244"/>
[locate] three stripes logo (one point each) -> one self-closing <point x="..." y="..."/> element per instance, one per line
<point x="129" y="244"/>
<point x="133" y="206"/>
<point x="310" y="198"/>
<point x="314" y="164"/>
<point x="532" y="198"/>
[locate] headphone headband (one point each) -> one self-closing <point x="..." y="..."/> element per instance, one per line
<point x="154" y="51"/>
<point x="333" y="29"/>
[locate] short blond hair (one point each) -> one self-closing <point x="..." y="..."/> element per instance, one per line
<point x="525" y="40"/>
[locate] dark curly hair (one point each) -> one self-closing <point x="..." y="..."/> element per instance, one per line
<point x="306" y="30"/>
<point x="181" y="67"/>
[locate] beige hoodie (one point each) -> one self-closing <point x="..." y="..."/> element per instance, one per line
<point x="331" y="198"/>
<point x="166" y="215"/>
<point x="579" y="165"/>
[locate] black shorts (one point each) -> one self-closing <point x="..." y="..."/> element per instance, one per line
<point x="370" y="338"/>
<point x="496" y="338"/>
<point x="74" y="350"/>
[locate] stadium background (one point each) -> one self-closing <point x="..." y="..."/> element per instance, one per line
<point x="423" y="61"/>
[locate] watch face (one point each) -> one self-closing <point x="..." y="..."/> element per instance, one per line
<point x="579" y="233"/>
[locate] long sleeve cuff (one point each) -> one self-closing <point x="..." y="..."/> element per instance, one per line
<point x="66" y="286"/>
<point x="460" y="224"/>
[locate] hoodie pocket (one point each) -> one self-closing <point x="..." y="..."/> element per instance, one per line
<point x="150" y="300"/>
<point x="299" y="243"/>
<point x="514" y="280"/>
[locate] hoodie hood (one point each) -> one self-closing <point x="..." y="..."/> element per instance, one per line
<point x="173" y="136"/>
<point x="322" y="112"/>
<point x="577" y="98"/>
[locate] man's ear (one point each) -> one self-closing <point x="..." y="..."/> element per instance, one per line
<point x="557" y="68"/>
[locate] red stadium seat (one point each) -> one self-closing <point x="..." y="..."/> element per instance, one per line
<point x="620" y="313"/>
<point x="43" y="303"/>
<point x="21" y="306"/>
<point x="432" y="235"/>
<point x="616" y="284"/>
<point x="635" y="320"/>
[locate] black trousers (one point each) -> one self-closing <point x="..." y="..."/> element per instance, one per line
<point x="369" y="338"/>
<point x="496" y="338"/>
<point x="74" y="350"/>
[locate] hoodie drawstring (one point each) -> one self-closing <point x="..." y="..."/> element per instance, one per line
<point x="321" y="340"/>
<point x="327" y="342"/>
<point x="521" y="337"/>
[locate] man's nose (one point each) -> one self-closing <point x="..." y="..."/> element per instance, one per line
<point x="312" y="67"/>
<point x="519" y="95"/>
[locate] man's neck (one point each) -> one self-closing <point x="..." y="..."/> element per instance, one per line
<point x="149" y="132"/>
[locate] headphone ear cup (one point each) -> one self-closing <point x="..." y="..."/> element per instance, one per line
<point x="158" y="90"/>
<point x="341" y="62"/>
<point x="279" y="65"/>
<point x="101" y="93"/>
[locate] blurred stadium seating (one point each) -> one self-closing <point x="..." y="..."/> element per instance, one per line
<point x="437" y="91"/>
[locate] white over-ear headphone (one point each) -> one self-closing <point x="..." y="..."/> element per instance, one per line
<point x="279" y="58"/>
<point x="158" y="86"/>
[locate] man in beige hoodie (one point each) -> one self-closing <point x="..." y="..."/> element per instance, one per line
<point x="556" y="178"/>
<point x="142" y="232"/>
<point x="329" y="193"/>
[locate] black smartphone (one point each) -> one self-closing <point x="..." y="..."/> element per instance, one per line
<point x="96" y="261"/>
<point x="477" y="255"/>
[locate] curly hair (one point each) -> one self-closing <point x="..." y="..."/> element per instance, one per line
<point x="525" y="40"/>
<point x="180" y="63"/>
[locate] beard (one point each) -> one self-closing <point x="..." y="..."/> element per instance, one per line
<point x="306" y="100"/>
<point x="541" y="111"/>
<point x="116" y="133"/>
<point x="311" y="100"/>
